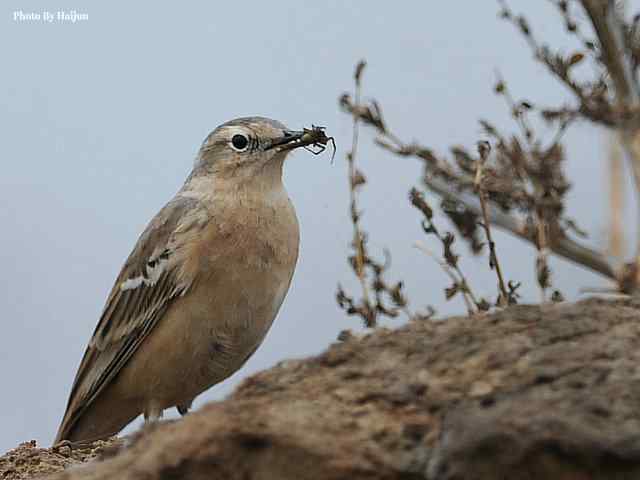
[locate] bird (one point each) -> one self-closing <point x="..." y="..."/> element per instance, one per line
<point x="200" y="289"/>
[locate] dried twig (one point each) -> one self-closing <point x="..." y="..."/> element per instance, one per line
<point x="618" y="58"/>
<point x="504" y="299"/>
<point x="355" y="180"/>
<point x="521" y="187"/>
<point x="441" y="178"/>
<point x="612" y="98"/>
<point x="371" y="305"/>
<point x="450" y="259"/>
<point x="459" y="282"/>
<point x="616" y="199"/>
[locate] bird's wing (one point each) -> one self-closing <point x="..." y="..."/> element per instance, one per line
<point x="153" y="276"/>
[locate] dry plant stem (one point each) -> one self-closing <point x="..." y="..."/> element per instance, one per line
<point x="493" y="257"/>
<point x="610" y="98"/>
<point x="521" y="120"/>
<point x="376" y="291"/>
<point x="358" y="235"/>
<point x="542" y="268"/>
<point x="457" y="279"/>
<point x="616" y="198"/>
<point x="609" y="28"/>
<point x="563" y="246"/>
<point x="542" y="259"/>
<point x="504" y="296"/>
<point x="631" y="145"/>
<point x="454" y="188"/>
<point x="466" y="289"/>
<point x="615" y="59"/>
<point x="451" y="261"/>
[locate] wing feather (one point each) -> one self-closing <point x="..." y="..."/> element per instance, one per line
<point x="147" y="285"/>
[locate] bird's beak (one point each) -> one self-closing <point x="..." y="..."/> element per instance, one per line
<point x="289" y="140"/>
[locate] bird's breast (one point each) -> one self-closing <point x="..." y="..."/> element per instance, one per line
<point x="247" y="257"/>
<point x="257" y="233"/>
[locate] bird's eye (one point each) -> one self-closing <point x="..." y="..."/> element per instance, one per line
<point x="239" y="142"/>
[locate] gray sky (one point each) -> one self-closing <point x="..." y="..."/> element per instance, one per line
<point x="101" y="119"/>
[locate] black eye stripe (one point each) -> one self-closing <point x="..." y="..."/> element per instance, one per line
<point x="239" y="142"/>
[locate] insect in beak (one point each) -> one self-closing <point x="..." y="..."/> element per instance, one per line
<point x="312" y="139"/>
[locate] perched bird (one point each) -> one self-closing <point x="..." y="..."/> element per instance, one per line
<point x="200" y="290"/>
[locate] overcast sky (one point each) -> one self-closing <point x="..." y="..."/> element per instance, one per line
<point x="100" y="121"/>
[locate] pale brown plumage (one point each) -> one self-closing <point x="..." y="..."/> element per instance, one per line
<point x="199" y="291"/>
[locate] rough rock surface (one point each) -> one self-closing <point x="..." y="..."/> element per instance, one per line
<point x="527" y="393"/>
<point x="28" y="461"/>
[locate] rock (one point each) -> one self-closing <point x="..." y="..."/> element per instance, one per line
<point x="29" y="461"/>
<point x="526" y="393"/>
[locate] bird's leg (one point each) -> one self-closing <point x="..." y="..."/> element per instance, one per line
<point x="152" y="414"/>
<point x="183" y="408"/>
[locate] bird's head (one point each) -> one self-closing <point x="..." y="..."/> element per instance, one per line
<point x="246" y="147"/>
